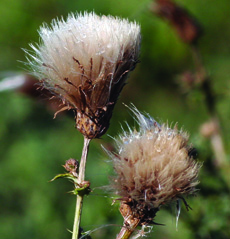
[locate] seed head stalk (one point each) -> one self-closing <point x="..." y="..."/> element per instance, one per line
<point x="125" y="232"/>
<point x="80" y="196"/>
<point x="130" y="222"/>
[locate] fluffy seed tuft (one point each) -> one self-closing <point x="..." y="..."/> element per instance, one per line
<point x="153" y="167"/>
<point x="85" y="61"/>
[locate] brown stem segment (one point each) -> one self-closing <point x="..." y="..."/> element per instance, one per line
<point x="126" y="231"/>
<point x="130" y="222"/>
<point x="80" y="196"/>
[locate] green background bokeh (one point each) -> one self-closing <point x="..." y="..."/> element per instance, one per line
<point x="33" y="146"/>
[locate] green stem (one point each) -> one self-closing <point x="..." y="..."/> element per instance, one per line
<point x="80" y="196"/>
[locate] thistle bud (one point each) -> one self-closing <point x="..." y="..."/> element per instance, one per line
<point x="153" y="167"/>
<point x="84" y="61"/>
<point x="71" y="165"/>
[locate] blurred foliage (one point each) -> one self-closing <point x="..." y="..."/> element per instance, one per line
<point x="33" y="146"/>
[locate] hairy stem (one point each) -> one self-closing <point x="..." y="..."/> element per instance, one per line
<point x="80" y="196"/>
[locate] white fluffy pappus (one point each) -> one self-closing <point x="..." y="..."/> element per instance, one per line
<point x="83" y="36"/>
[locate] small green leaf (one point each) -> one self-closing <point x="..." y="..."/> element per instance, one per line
<point x="65" y="175"/>
<point x="85" y="190"/>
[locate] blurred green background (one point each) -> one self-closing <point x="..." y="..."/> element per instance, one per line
<point x="33" y="146"/>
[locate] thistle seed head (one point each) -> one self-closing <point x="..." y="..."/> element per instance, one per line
<point x="153" y="167"/>
<point x="85" y="61"/>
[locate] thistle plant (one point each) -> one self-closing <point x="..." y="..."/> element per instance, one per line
<point x="84" y="61"/>
<point x="153" y="167"/>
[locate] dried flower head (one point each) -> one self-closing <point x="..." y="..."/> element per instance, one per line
<point x="85" y="61"/>
<point x="186" y="25"/>
<point x="153" y="167"/>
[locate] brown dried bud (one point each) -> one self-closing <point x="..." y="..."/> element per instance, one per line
<point x="71" y="165"/>
<point x="186" y="26"/>
<point x="85" y="62"/>
<point x="153" y="166"/>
